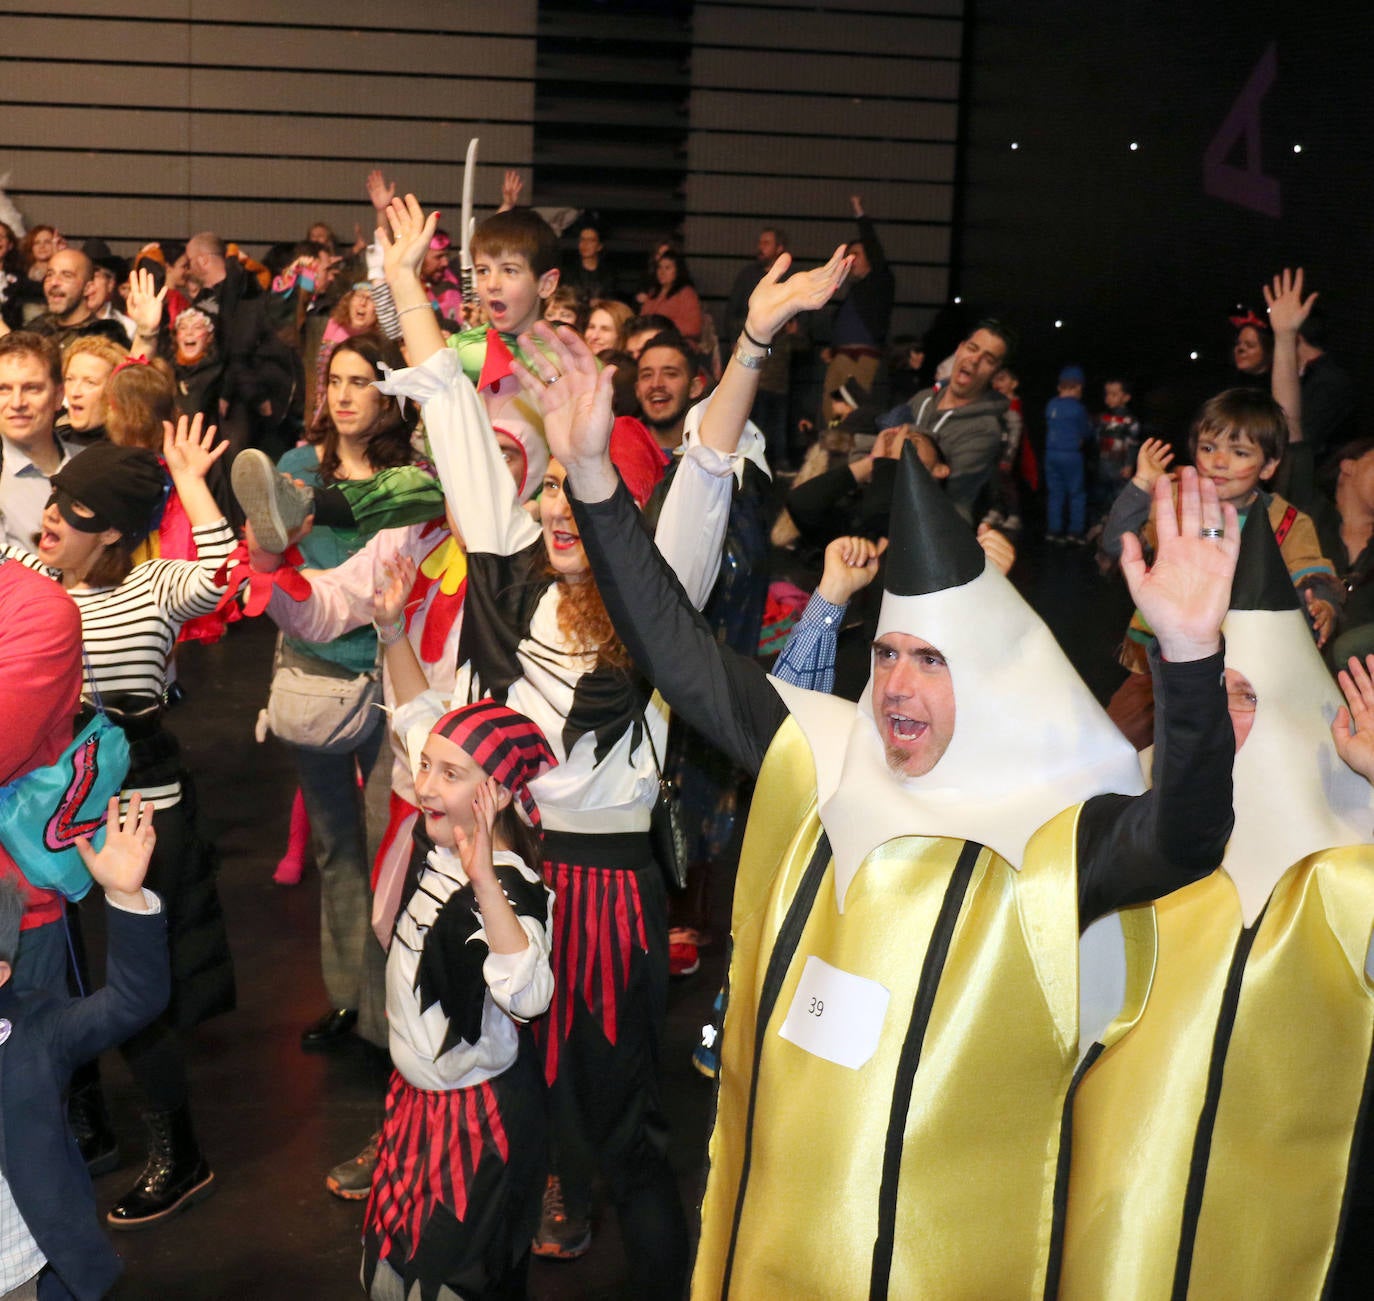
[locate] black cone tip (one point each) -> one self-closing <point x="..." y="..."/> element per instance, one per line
<point x="930" y="546"/>
<point x="1262" y="581"/>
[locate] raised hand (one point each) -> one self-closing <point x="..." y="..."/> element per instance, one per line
<point x="379" y="191"/>
<point x="403" y="248"/>
<point x="1323" y="616"/>
<point x="576" y="400"/>
<point x="143" y="304"/>
<point x="189" y="449"/>
<point x="120" y="865"/>
<point x="392" y="590"/>
<point x="475" y="849"/>
<point x="850" y="565"/>
<point x="1152" y="461"/>
<point x="1356" y="747"/>
<point x="511" y="189"/>
<point x="776" y="301"/>
<point x="997" y="546"/>
<point x="1184" y="595"/>
<point x="856" y="205"/>
<point x="1288" y="310"/>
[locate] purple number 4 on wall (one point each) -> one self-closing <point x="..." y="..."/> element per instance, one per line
<point x="1246" y="186"/>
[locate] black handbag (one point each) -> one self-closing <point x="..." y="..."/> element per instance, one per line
<point x="666" y="836"/>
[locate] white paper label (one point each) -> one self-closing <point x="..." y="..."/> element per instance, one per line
<point x="836" y="1015"/>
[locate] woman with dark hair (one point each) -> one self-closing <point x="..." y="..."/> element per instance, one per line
<point x="363" y="475"/>
<point x="675" y="297"/>
<point x="1253" y="350"/>
<point x="105" y="501"/>
<point x="11" y="274"/>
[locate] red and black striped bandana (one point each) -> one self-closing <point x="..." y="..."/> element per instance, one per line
<point x="505" y="744"/>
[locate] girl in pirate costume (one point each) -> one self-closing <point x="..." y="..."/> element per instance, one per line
<point x="455" y="1197"/>
<point x="104" y="502"/>
<point x="536" y="636"/>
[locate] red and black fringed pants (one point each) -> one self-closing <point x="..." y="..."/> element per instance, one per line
<point x="600" y="1042"/>
<point x="455" y="1197"/>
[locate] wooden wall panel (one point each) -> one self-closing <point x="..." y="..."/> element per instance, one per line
<point x="796" y="105"/>
<point x="254" y="117"/>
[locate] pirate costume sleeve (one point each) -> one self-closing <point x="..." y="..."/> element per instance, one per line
<point x="1217" y="1131"/>
<point x="948" y="959"/>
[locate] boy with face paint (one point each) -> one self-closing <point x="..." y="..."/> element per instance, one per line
<point x="1239" y="1059"/>
<point x="916" y="871"/>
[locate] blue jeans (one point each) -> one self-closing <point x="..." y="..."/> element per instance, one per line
<point x="338" y="836"/>
<point x="1064" y="476"/>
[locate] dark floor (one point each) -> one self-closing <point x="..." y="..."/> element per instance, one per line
<point x="274" y="1119"/>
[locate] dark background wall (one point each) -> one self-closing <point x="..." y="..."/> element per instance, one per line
<point x="1129" y="249"/>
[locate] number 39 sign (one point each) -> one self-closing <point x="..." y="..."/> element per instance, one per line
<point x="836" y="1015"/>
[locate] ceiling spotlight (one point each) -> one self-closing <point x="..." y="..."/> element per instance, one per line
<point x="1297" y="149"/>
<point x="1192" y="356"/>
<point x="958" y="299"/>
<point x="1059" y="325"/>
<point x="1014" y="145"/>
<point x="1134" y="146"/>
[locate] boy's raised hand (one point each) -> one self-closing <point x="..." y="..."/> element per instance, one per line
<point x="563" y="380"/>
<point x="850" y="565"/>
<point x="1356" y="747"/>
<point x="120" y="865"/>
<point x="403" y="248"/>
<point x="1153" y="459"/>
<point x="1184" y="595"/>
<point x="1288" y="310"/>
<point x="776" y="301"/>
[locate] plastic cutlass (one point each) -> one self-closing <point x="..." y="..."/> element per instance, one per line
<point x="467" y="225"/>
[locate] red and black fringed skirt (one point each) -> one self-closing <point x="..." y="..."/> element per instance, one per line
<point x="455" y="1197"/>
<point x="609" y="907"/>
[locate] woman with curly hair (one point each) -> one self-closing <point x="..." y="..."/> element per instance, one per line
<point x="536" y="636"/>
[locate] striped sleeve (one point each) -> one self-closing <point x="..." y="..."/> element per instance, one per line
<point x="184" y="589"/>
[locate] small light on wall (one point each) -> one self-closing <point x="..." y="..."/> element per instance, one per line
<point x="1059" y="325"/>
<point x="1297" y="149"/>
<point x="1192" y="356"/>
<point x="1134" y="146"/>
<point x="1014" y="145"/>
<point x="958" y="299"/>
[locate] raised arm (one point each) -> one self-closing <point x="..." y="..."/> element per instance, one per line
<point x="723" y="695"/>
<point x="1135" y="849"/>
<point x="1288" y="310"/>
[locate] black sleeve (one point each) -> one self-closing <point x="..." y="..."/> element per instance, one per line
<point x="820" y="507"/>
<point x="725" y="696"/>
<point x="868" y="233"/>
<point x="1135" y="848"/>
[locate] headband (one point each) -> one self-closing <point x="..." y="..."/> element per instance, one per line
<point x="506" y="745"/>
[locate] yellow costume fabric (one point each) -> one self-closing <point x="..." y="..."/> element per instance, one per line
<point x="928" y="1171"/>
<point x="1209" y="1158"/>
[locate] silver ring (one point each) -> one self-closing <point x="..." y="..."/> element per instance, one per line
<point x="1211" y="533"/>
<point x="549" y="383"/>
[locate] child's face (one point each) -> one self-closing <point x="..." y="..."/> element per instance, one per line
<point x="445" y="785"/>
<point x="510" y="291"/>
<point x="1074" y="390"/>
<point x="1006" y="383"/>
<point x="1233" y="462"/>
<point x="1115" y="396"/>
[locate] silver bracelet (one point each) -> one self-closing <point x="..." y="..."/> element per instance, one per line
<point x="748" y="359"/>
<point x="415" y="307"/>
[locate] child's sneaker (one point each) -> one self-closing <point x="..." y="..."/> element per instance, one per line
<point x="684" y="959"/>
<point x="274" y="505"/>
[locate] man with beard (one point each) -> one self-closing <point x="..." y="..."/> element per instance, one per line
<point x="69" y="315"/>
<point x="964" y="417"/>
<point x="669" y="382"/>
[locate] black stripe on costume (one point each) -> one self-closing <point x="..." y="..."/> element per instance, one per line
<point x="1206" y="1125"/>
<point x="784" y="949"/>
<point x="1352" y="1263"/>
<point x="1061" y="1175"/>
<point x="937" y="952"/>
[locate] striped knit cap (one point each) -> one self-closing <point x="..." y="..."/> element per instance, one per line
<point x="505" y="744"/>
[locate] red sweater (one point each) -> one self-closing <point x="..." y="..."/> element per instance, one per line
<point x="40" y="685"/>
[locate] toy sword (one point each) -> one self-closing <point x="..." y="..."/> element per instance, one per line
<point x="466" y="226"/>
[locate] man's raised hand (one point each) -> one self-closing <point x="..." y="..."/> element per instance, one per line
<point x="776" y="301"/>
<point x="1185" y="594"/>
<point x="380" y="191"/>
<point x="851" y="563"/>
<point x="1288" y="310"/>
<point x="144" y="302"/>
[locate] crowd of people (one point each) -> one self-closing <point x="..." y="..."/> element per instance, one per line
<point x="546" y="539"/>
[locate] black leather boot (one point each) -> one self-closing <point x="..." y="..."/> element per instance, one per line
<point x="175" y="1176"/>
<point x="90" y="1124"/>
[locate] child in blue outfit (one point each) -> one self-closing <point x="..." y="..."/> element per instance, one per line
<point x="1068" y="430"/>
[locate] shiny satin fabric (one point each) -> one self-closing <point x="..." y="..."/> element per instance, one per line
<point x="1290" y="1092"/>
<point x="975" y="1193"/>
